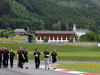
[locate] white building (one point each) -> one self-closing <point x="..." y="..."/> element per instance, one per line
<point x="79" y="32"/>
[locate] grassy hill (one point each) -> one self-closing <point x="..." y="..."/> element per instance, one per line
<point x="48" y="14"/>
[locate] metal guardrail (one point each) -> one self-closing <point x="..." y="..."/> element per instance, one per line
<point x="50" y="44"/>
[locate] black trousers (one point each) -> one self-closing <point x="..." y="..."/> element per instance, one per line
<point x="11" y="62"/>
<point x="0" y="62"/>
<point x="20" y="63"/>
<point x="5" y="62"/>
<point x="37" y="63"/>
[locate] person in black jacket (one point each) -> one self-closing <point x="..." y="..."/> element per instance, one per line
<point x="5" y="54"/>
<point x="26" y="57"/>
<point x="20" y="57"/>
<point x="54" y="58"/>
<point x="0" y="56"/>
<point x="37" y="55"/>
<point x="12" y="54"/>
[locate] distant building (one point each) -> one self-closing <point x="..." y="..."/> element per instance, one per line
<point x="79" y="32"/>
<point x="19" y="32"/>
<point x="55" y="36"/>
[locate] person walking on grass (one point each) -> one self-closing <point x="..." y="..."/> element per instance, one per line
<point x="12" y="55"/>
<point x="54" y="58"/>
<point x="26" y="57"/>
<point x="46" y="58"/>
<point x="37" y="55"/>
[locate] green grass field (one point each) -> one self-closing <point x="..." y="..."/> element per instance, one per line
<point x="15" y="39"/>
<point x="24" y="39"/>
<point x="79" y="43"/>
<point x="90" y="68"/>
<point x="65" y="53"/>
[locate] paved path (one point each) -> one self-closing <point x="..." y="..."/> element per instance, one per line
<point x="30" y="71"/>
<point x="33" y="71"/>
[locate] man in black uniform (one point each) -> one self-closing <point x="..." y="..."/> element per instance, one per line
<point x="5" y="53"/>
<point x="46" y="58"/>
<point x="26" y="58"/>
<point x="37" y="55"/>
<point x="12" y="54"/>
<point x="54" y="58"/>
<point x="0" y="56"/>
<point x="20" y="57"/>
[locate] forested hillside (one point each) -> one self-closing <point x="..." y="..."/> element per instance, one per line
<point x="50" y="14"/>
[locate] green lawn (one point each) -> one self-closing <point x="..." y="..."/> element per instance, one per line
<point x="15" y="39"/>
<point x="79" y="43"/>
<point x="20" y="39"/>
<point x="5" y="40"/>
<point x="91" y="68"/>
<point x="65" y="53"/>
<point x="24" y="39"/>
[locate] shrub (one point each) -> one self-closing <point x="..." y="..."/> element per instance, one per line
<point x="46" y="39"/>
<point x="71" y="40"/>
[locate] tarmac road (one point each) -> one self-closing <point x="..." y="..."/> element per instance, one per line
<point x="30" y="71"/>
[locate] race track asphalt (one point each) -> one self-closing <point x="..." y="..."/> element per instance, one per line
<point x="31" y="71"/>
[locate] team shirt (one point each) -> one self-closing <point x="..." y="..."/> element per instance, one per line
<point x="25" y="54"/>
<point x="5" y="53"/>
<point x="46" y="53"/>
<point x="37" y="55"/>
<point x="0" y="54"/>
<point x="20" y="52"/>
<point x="53" y="54"/>
<point x="12" y="54"/>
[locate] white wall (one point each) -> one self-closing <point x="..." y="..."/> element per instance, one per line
<point x="57" y="41"/>
<point x="79" y="34"/>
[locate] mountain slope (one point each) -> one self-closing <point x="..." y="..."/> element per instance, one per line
<point x="45" y="14"/>
<point x="19" y="17"/>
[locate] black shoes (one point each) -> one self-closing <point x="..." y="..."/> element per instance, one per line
<point x="54" y="68"/>
<point x="21" y="67"/>
<point x="37" y="67"/>
<point x="27" y="68"/>
<point x="48" y="68"/>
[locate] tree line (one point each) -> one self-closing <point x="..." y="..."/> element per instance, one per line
<point x="50" y="14"/>
<point x="90" y="37"/>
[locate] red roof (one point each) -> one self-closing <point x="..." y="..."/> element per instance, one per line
<point x="54" y="32"/>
